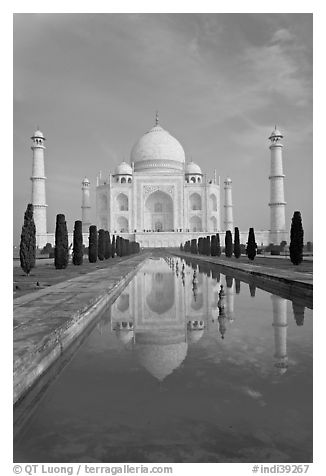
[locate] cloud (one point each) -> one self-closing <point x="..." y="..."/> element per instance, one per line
<point x="282" y="35"/>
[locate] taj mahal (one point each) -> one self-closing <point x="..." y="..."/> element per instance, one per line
<point x="160" y="199"/>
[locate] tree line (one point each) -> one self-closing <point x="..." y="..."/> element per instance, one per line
<point x="210" y="245"/>
<point x="101" y="245"/>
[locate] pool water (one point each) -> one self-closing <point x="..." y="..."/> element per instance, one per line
<point x="180" y="369"/>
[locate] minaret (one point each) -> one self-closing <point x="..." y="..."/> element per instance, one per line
<point x="228" y="206"/>
<point x="38" y="188"/>
<point x="277" y="203"/>
<point x="86" y="205"/>
<point x="280" y="331"/>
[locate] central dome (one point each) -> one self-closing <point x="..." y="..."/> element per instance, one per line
<point x="157" y="151"/>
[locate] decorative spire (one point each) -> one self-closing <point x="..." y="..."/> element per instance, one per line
<point x="156" y="119"/>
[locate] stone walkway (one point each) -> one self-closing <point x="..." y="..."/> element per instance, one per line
<point x="47" y="321"/>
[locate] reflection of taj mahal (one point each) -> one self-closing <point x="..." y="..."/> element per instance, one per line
<point x="159" y="317"/>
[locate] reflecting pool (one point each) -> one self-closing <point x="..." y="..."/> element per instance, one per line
<point x="187" y="365"/>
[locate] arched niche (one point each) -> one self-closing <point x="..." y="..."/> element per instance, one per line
<point x="122" y="202"/>
<point x="158" y="212"/>
<point x="122" y="225"/>
<point x="213" y="223"/>
<point x="213" y="202"/>
<point x="195" y="201"/>
<point x="196" y="224"/>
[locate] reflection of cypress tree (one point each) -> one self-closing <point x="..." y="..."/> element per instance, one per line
<point x="201" y="268"/>
<point x="215" y="274"/>
<point x="229" y="281"/>
<point x="208" y="272"/>
<point x="218" y="277"/>
<point x="237" y="286"/>
<point x="298" y="312"/>
<point x="252" y="288"/>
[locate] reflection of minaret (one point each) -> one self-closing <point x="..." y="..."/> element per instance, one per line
<point x="298" y="312"/>
<point x="228" y="206"/>
<point x="280" y="332"/>
<point x="86" y="206"/>
<point x="229" y="298"/>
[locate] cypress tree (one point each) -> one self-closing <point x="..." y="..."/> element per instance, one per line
<point x="77" y="251"/>
<point x="201" y="245"/>
<point x="113" y="247"/>
<point x="214" y="245"/>
<point x="61" y="251"/>
<point x="107" y="252"/>
<point x="118" y="246"/>
<point x="27" y="250"/>
<point x="193" y="246"/>
<point x="92" y="244"/>
<point x="228" y="244"/>
<point x="296" y="239"/>
<point x="251" y="245"/>
<point x="123" y="247"/>
<point x="218" y="245"/>
<point x="208" y="246"/>
<point x="237" y="249"/>
<point x="101" y="244"/>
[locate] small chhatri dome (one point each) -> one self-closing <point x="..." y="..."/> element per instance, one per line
<point x="38" y="134"/>
<point x="157" y="150"/>
<point x="275" y="133"/>
<point x="227" y="180"/>
<point x="123" y="169"/>
<point x="193" y="169"/>
<point x="86" y="180"/>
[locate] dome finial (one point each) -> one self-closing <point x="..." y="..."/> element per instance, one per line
<point x="156" y="118"/>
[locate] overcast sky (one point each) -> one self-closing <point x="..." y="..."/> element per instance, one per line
<point x="92" y="83"/>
